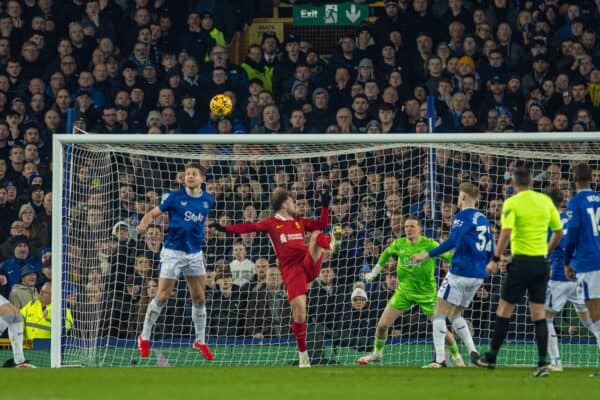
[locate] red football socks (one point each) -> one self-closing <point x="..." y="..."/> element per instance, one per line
<point x="299" y="331"/>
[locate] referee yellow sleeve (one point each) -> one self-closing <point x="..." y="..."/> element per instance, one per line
<point x="507" y="219"/>
<point x="555" y="223"/>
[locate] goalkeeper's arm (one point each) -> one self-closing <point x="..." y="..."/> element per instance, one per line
<point x="383" y="259"/>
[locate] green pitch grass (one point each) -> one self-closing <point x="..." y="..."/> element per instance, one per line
<point x="281" y="383"/>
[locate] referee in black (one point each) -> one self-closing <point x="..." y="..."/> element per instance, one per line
<point x="526" y="217"/>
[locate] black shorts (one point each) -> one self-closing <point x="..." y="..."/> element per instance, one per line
<point x="526" y="273"/>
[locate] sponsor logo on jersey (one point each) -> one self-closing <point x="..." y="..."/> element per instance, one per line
<point x="282" y="238"/>
<point x="190" y="216"/>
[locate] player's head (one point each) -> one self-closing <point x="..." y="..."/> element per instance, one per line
<point x="194" y="175"/>
<point x="582" y="174"/>
<point x="412" y="227"/>
<point x="557" y="196"/>
<point x="281" y="200"/>
<point x="468" y="194"/>
<point x="521" y="177"/>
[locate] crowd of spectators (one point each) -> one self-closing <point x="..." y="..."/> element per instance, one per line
<point x="151" y="67"/>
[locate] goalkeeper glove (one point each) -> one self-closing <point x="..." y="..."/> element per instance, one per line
<point x="370" y="276"/>
<point x="218" y="227"/>
<point x="325" y="198"/>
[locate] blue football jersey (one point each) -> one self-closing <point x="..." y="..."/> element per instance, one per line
<point x="473" y="242"/>
<point x="583" y="231"/>
<point x="186" y="220"/>
<point x="557" y="256"/>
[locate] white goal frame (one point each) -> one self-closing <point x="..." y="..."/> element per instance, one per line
<point x="61" y="140"/>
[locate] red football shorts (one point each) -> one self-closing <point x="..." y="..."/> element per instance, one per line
<point x="296" y="277"/>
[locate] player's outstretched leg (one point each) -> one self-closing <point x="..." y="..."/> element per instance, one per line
<point x="460" y="328"/>
<point x="11" y="318"/>
<point x="298" y="305"/>
<point x="155" y="307"/>
<point x="196" y="286"/>
<point x="385" y="322"/>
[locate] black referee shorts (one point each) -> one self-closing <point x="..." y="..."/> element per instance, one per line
<point x="526" y="273"/>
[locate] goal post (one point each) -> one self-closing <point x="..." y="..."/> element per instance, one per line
<point x="102" y="182"/>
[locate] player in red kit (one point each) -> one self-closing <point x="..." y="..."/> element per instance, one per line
<point x="299" y="264"/>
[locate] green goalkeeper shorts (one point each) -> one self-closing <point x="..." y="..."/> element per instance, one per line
<point x="403" y="300"/>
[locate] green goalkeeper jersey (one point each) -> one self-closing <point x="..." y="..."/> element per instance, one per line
<point x="417" y="278"/>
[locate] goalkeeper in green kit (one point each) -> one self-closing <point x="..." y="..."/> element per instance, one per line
<point x="416" y="285"/>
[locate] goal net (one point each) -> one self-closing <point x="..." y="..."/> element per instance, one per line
<point x="107" y="273"/>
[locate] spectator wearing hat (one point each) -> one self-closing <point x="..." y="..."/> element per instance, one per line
<point x="366" y="70"/>
<point x="357" y="321"/>
<point x="290" y="68"/>
<point x="188" y="117"/>
<point x="496" y="96"/>
<point x="394" y="18"/>
<point x="345" y="54"/>
<point x="84" y="107"/>
<point x="25" y="291"/>
<point x="320" y="116"/>
<point x="11" y="268"/>
<point x="540" y="71"/>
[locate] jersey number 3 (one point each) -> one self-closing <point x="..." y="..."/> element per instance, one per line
<point x="595" y="219"/>
<point x="483" y="244"/>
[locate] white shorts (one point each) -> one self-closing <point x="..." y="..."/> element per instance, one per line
<point x="3" y="300"/>
<point x="174" y="263"/>
<point x="589" y="282"/>
<point x="459" y="290"/>
<point x="559" y="292"/>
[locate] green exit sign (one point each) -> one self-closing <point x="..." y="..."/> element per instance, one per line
<point x="330" y="14"/>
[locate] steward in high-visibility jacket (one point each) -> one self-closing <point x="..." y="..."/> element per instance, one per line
<point x="37" y="320"/>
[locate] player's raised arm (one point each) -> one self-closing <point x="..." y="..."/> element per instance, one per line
<point x="323" y="221"/>
<point x="147" y="219"/>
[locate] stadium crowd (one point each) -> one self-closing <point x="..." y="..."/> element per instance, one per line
<point x="152" y="66"/>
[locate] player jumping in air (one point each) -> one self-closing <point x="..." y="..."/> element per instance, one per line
<point x="473" y="243"/>
<point x="560" y="289"/>
<point x="582" y="247"/>
<point x="11" y="318"/>
<point x="298" y="263"/>
<point x="181" y="253"/>
<point x="416" y="285"/>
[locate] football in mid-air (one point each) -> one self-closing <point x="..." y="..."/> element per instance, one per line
<point x="221" y="105"/>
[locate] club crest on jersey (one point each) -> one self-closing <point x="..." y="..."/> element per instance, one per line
<point x="297" y="224"/>
<point x="183" y="203"/>
<point x="205" y="204"/>
<point x="279" y="226"/>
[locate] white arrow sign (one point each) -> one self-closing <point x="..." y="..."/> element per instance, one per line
<point x="353" y="14"/>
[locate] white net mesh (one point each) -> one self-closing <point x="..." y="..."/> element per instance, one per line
<point x="110" y="272"/>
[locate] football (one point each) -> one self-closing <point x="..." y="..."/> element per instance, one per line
<point x="221" y="105"/>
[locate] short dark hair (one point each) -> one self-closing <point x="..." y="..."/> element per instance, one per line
<point x="279" y="197"/>
<point x="556" y="195"/>
<point x="522" y="177"/>
<point x="582" y="173"/>
<point x="196" y="165"/>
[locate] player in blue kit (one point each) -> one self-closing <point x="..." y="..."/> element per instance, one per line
<point x="473" y="242"/>
<point x="188" y="208"/>
<point x="582" y="244"/>
<point x="560" y="289"/>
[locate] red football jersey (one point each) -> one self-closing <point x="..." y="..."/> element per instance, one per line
<point x="287" y="235"/>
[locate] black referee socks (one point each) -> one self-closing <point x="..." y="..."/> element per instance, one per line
<point x="541" y="338"/>
<point x="499" y="336"/>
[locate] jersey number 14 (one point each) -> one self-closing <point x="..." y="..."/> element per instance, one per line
<point x="483" y="244"/>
